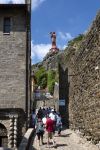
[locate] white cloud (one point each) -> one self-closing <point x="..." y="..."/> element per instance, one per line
<point x="65" y="36"/>
<point x="38" y="51"/>
<point x="13" y="1"/>
<point x="64" y="46"/>
<point x="35" y="3"/>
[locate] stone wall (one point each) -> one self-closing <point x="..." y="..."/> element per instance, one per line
<point x="12" y="123"/>
<point x="15" y="72"/>
<point x="13" y="60"/>
<point x="27" y="141"/>
<point x="83" y="66"/>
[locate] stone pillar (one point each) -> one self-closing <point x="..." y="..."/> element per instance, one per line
<point x="10" y="133"/>
<point x="27" y="1"/>
<point x="15" y="131"/>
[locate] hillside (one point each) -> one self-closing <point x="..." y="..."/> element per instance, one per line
<point x="46" y="72"/>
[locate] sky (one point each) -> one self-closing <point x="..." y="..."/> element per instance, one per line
<point x="68" y="18"/>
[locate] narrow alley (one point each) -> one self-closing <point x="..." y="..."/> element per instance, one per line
<point x="69" y="140"/>
<point x="49" y="75"/>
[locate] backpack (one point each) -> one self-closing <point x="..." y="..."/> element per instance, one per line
<point x="40" y="127"/>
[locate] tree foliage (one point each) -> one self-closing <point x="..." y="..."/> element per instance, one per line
<point x="76" y="40"/>
<point x="51" y="86"/>
<point x="51" y="80"/>
<point x="41" y="77"/>
<point x="46" y="79"/>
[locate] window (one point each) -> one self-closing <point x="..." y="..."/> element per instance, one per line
<point x="7" y="25"/>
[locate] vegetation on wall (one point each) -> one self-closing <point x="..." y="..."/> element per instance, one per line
<point x="76" y="40"/>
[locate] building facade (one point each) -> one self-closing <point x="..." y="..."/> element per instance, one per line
<point x="15" y="71"/>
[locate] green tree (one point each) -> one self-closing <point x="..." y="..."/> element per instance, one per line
<point x="51" y="86"/>
<point x="42" y="82"/>
<point x="51" y="80"/>
<point x="41" y="77"/>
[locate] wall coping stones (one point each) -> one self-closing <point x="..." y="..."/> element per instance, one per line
<point x="2" y="148"/>
<point x="26" y="140"/>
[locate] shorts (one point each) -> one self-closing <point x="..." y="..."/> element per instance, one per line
<point x="50" y="135"/>
<point x="40" y="135"/>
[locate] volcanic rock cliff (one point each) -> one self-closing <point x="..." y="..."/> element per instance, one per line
<point x="50" y="61"/>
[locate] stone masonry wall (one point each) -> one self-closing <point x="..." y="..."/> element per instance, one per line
<point x="84" y="83"/>
<point x="13" y="60"/>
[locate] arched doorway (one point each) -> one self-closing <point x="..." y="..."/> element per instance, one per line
<point x="3" y="136"/>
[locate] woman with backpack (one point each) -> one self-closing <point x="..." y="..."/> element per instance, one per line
<point x="40" y="130"/>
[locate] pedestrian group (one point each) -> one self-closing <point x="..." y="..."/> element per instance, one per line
<point x="47" y="121"/>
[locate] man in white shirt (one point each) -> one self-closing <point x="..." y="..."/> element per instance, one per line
<point x="52" y="115"/>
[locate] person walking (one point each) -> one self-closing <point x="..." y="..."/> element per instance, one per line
<point x="52" y="115"/>
<point x="40" y="113"/>
<point x="59" y="124"/>
<point x="44" y="120"/>
<point x="50" y="128"/>
<point x="40" y="130"/>
<point x="33" y="118"/>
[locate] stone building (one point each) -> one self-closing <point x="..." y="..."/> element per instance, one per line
<point x="15" y="64"/>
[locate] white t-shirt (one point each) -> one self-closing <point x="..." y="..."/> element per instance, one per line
<point x="52" y="116"/>
<point x="44" y="120"/>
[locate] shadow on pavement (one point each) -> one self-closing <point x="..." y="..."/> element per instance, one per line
<point x="64" y="128"/>
<point x="32" y="148"/>
<point x="65" y="135"/>
<point x="58" y="145"/>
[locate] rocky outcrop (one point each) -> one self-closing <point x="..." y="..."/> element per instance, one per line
<point x="50" y="61"/>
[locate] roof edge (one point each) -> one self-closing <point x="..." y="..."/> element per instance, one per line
<point x="12" y="5"/>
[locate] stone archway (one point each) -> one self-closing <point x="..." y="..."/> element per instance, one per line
<point x="3" y="136"/>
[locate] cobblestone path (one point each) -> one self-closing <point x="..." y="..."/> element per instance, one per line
<point x="69" y="140"/>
